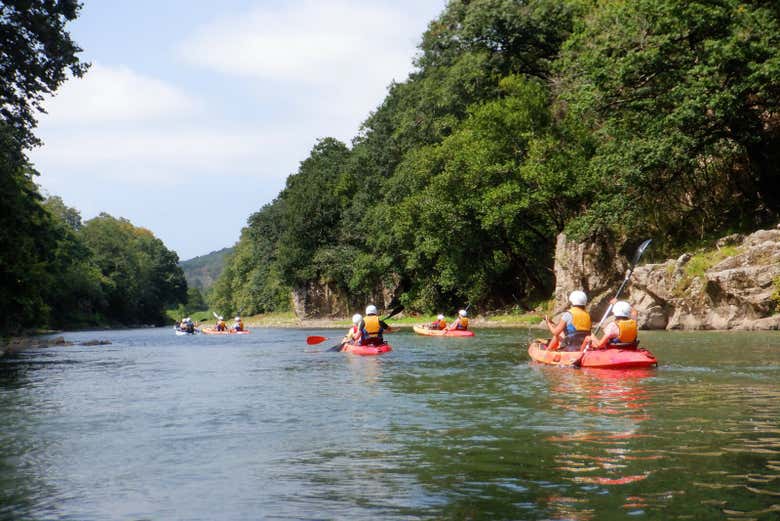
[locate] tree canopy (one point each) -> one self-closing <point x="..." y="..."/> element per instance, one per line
<point x="522" y="119"/>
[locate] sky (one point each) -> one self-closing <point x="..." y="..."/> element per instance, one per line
<point x="194" y="113"/>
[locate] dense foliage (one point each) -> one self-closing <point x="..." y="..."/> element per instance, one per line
<point x="525" y="118"/>
<point x="56" y="271"/>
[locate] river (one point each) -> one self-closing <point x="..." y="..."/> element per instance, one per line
<point x="262" y="426"/>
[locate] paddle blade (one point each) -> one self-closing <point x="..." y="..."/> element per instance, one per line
<point x="314" y="339"/>
<point x="336" y="348"/>
<point x="641" y="250"/>
<point x="394" y="312"/>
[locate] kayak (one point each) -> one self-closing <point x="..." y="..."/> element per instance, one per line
<point x="366" y="350"/>
<point x="212" y="331"/>
<point x="612" y="358"/>
<point x="420" y="330"/>
<point x="179" y="332"/>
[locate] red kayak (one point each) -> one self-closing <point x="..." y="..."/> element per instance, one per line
<point x="366" y="350"/>
<point x="212" y="331"/>
<point x="611" y="358"/>
<point x="422" y="330"/>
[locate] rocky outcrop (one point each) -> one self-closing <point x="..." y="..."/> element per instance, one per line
<point x="324" y="300"/>
<point x="729" y="287"/>
<point x="17" y="344"/>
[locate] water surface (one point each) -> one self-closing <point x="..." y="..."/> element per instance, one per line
<point x="156" y="426"/>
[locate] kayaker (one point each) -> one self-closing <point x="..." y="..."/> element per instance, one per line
<point x="573" y="327"/>
<point x="238" y="324"/>
<point x="438" y="324"/>
<point x="186" y="325"/>
<point x="220" y="326"/>
<point x="353" y="334"/>
<point x="461" y="323"/>
<point x="371" y="328"/>
<point x="622" y="332"/>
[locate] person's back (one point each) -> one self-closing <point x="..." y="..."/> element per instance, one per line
<point x="438" y="324"/>
<point x="371" y="328"/>
<point x="578" y="324"/>
<point x="623" y="331"/>
<point x="461" y="323"/>
<point x="574" y="325"/>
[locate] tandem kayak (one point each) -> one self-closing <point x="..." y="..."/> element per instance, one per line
<point x="366" y="350"/>
<point x="421" y="330"/>
<point x="212" y="331"/>
<point x="613" y="358"/>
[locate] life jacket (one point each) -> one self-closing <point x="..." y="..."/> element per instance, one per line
<point x="372" y="329"/>
<point x="578" y="328"/>
<point x="463" y="323"/>
<point x="628" y="334"/>
<point x="239" y="326"/>
<point x="221" y="325"/>
<point x="354" y="334"/>
<point x="438" y="324"/>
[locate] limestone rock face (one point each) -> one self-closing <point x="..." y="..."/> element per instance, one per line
<point x="322" y="299"/>
<point x="734" y="293"/>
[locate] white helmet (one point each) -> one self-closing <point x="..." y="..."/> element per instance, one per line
<point x="237" y="319"/>
<point x="462" y="313"/>
<point x="356" y="318"/>
<point x="578" y="298"/>
<point x="221" y="317"/>
<point x="621" y="309"/>
<point x="440" y="317"/>
<point x="371" y="310"/>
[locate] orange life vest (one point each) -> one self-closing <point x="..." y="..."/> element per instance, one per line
<point x="628" y="332"/>
<point x="371" y="327"/>
<point x="463" y="323"/>
<point x="579" y="328"/>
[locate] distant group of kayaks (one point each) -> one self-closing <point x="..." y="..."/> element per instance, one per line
<point x="187" y="327"/>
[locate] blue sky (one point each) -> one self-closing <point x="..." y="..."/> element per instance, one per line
<point x="194" y="113"/>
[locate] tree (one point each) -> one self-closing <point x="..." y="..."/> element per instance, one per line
<point x="37" y="52"/>
<point x="140" y="276"/>
<point x="684" y="100"/>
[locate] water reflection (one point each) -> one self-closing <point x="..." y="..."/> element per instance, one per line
<point x="607" y="448"/>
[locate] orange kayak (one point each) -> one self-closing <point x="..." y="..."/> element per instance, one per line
<point x="613" y="358"/>
<point x="421" y="330"/>
<point x="366" y="350"/>
<point x="212" y="331"/>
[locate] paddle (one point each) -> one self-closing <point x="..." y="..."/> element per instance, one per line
<point x="314" y="339"/>
<point x="393" y="313"/>
<point x="639" y="252"/>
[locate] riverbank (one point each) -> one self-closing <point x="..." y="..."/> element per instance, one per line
<point x="290" y="320"/>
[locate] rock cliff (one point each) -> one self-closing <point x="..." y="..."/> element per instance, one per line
<point x="728" y="287"/>
<point x="322" y="299"/>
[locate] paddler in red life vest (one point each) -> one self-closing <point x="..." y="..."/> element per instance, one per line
<point x="622" y="332"/>
<point x="438" y="324"/>
<point x="221" y="326"/>
<point x="573" y="327"/>
<point x="371" y="328"/>
<point x="353" y="334"/>
<point x="461" y="323"/>
<point x="238" y="324"/>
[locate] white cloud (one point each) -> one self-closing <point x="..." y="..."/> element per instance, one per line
<point x="308" y="41"/>
<point x="115" y="94"/>
<point x="165" y="156"/>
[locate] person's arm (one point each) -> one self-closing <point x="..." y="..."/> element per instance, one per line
<point x="385" y="327"/>
<point x="611" y="331"/>
<point x="555" y="329"/>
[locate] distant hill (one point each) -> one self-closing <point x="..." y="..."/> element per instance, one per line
<point x="201" y="272"/>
